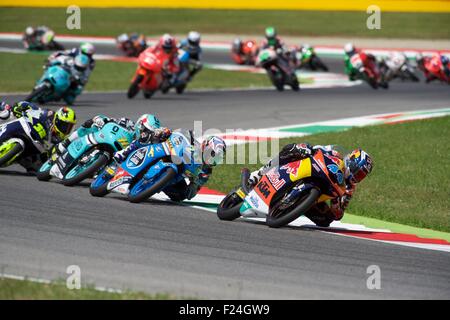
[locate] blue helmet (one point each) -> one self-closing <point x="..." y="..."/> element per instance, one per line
<point x="359" y="164"/>
<point x="444" y="59"/>
<point x="146" y="122"/>
<point x="81" y="62"/>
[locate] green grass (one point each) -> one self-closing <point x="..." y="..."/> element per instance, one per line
<point x="28" y="290"/>
<point x="410" y="181"/>
<point x="113" y="21"/>
<point x="111" y="75"/>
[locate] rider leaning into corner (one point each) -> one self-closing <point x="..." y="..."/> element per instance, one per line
<point x="358" y="164"/>
<point x="192" y="45"/>
<point x="89" y="126"/>
<point x="212" y="150"/>
<point x="421" y="60"/>
<point x="350" y="50"/>
<point x="167" y="47"/>
<point x="57" y="126"/>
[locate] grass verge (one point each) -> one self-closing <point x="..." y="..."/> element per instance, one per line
<point x="113" y="21"/>
<point x="409" y="184"/>
<point x="11" y="289"/>
<point x="112" y="75"/>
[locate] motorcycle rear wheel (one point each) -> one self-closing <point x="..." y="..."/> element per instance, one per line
<point x="277" y="218"/>
<point x="101" y="161"/>
<point x="228" y="208"/>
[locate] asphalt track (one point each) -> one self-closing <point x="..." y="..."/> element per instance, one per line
<point x="163" y="247"/>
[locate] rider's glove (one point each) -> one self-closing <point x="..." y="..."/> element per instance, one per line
<point x="118" y="157"/>
<point x="162" y="134"/>
<point x="304" y="149"/>
<point x="98" y="122"/>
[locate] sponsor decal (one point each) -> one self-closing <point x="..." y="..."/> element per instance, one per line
<point x="274" y="178"/>
<point x="264" y="189"/>
<point x="254" y="201"/>
<point x="292" y="167"/>
<point x="137" y="158"/>
<point x="338" y="173"/>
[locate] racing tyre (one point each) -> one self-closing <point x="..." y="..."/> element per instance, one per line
<point x="148" y="94"/>
<point x="9" y="151"/>
<point x="295" y="85"/>
<point x="37" y="94"/>
<point x="93" y="167"/>
<point x="99" y="190"/>
<point x="43" y="174"/>
<point x="133" y="90"/>
<point x="156" y="187"/>
<point x="279" y="216"/>
<point x="228" y="208"/>
<point x="180" y="89"/>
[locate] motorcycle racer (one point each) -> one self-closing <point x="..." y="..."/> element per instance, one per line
<point x="191" y="45"/>
<point x="40" y="38"/>
<point x="54" y="126"/>
<point x="273" y="41"/>
<point x="358" y="165"/>
<point x="167" y="49"/>
<point x="436" y="62"/>
<point x="212" y="152"/>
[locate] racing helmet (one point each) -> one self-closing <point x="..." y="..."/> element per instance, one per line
<point x="63" y="122"/>
<point x="145" y="126"/>
<point x="167" y="42"/>
<point x="194" y="38"/>
<point x="87" y="48"/>
<point x="271" y="34"/>
<point x="122" y="38"/>
<point x="359" y="164"/>
<point x="444" y="59"/>
<point x="349" y="48"/>
<point x="213" y="150"/>
<point x="237" y="43"/>
<point x="29" y="31"/>
<point x="81" y="62"/>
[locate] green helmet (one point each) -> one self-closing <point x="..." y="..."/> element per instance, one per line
<point x="271" y="33"/>
<point x="87" y="48"/>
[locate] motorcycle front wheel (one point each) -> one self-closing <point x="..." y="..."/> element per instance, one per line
<point x="9" y="151"/>
<point x="228" y="208"/>
<point x="43" y="174"/>
<point x="139" y="192"/>
<point x="133" y="90"/>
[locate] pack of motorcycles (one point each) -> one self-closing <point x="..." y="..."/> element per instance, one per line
<point x="282" y="195"/>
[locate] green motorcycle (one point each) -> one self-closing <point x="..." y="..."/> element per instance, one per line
<point x="307" y="58"/>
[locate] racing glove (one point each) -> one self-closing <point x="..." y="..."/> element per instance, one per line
<point x="293" y="152"/>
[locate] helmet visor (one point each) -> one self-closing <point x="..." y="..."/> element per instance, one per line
<point x="63" y="126"/>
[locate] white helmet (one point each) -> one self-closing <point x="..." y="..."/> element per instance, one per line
<point x="122" y="38"/>
<point x="87" y="48"/>
<point x="348" y="48"/>
<point x="194" y="38"/>
<point x="29" y="31"/>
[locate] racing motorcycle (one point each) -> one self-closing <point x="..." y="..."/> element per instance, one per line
<point x="149" y="75"/>
<point x="54" y="84"/>
<point x="367" y="70"/>
<point x="287" y="192"/>
<point x="278" y="70"/>
<point x="21" y="138"/>
<point x="247" y="54"/>
<point x="132" y="45"/>
<point x="396" y="65"/>
<point x="184" y="76"/>
<point x="45" y="41"/>
<point x="90" y="154"/>
<point x="147" y="170"/>
<point x="307" y="58"/>
<point x="433" y="66"/>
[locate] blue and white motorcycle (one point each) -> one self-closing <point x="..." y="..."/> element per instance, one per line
<point x="149" y="169"/>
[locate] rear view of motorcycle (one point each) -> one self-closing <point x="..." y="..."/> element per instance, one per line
<point x="277" y="69"/>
